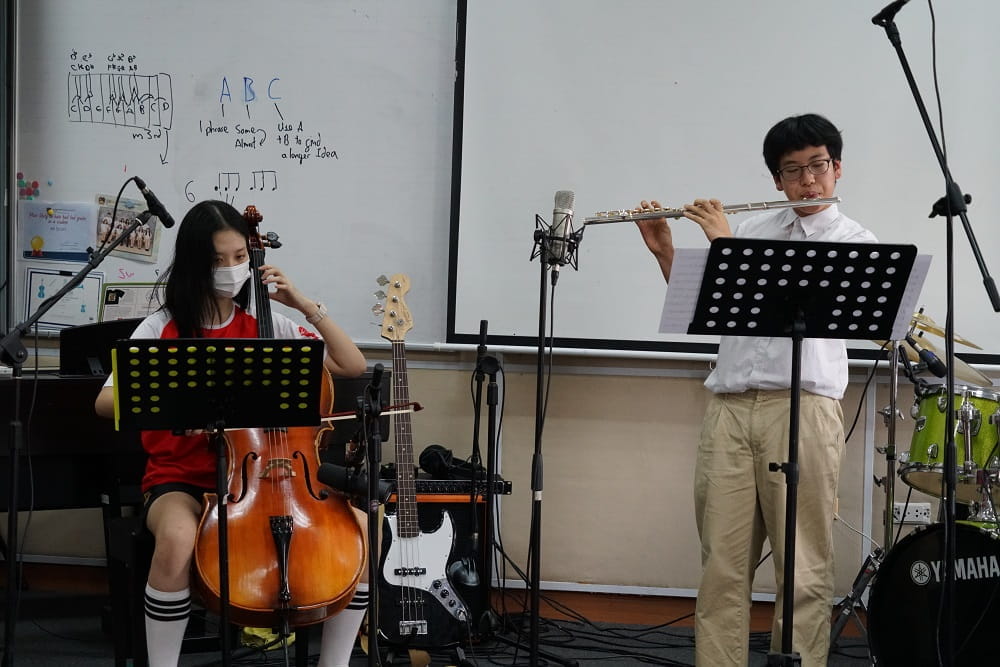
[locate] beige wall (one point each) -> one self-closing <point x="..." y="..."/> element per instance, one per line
<point x="618" y="449"/>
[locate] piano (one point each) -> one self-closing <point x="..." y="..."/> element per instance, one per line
<point x="71" y="455"/>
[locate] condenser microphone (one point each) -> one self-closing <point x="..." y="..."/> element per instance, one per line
<point x="562" y="220"/>
<point x="888" y="13"/>
<point x="156" y="207"/>
<point x="931" y="360"/>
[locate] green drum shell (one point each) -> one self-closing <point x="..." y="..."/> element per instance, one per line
<point x="923" y="466"/>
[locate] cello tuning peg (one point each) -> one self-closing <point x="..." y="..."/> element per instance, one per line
<point x="272" y="240"/>
<point x="382" y="280"/>
<point x="380" y="295"/>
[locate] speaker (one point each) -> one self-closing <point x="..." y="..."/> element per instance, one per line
<point x="462" y="567"/>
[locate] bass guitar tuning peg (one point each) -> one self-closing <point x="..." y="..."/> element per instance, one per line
<point x="382" y="280"/>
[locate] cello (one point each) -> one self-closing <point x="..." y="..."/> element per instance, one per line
<point x="295" y="550"/>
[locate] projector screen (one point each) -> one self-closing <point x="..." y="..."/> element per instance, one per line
<point x="644" y="99"/>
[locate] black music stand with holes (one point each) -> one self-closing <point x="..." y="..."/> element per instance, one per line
<point x="213" y="384"/>
<point x="797" y="290"/>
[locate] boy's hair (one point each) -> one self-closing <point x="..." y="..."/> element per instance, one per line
<point x="797" y="132"/>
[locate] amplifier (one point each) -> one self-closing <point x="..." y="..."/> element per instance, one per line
<point x="425" y="485"/>
<point x="461" y="486"/>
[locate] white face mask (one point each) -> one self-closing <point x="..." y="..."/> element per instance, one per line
<point x="229" y="280"/>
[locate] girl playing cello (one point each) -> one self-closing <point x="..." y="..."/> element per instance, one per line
<point x="206" y="296"/>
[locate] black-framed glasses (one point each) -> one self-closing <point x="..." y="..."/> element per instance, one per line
<point x="816" y="167"/>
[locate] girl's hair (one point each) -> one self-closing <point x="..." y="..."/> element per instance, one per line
<point x="189" y="295"/>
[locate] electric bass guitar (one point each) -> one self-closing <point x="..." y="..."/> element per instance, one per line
<point x="420" y="608"/>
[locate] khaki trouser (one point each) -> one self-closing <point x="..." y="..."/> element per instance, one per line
<point x="739" y="502"/>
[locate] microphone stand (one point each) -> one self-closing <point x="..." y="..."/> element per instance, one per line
<point x="953" y="202"/>
<point x="543" y="249"/>
<point x="489" y="366"/>
<point x="485" y="365"/>
<point x="370" y="405"/>
<point x="14" y="354"/>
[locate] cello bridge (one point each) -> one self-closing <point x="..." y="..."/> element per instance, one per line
<point x="274" y="464"/>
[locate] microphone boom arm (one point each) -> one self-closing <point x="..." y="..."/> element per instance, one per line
<point x="954" y="201"/>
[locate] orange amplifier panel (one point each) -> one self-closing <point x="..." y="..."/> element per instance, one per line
<point x="440" y="498"/>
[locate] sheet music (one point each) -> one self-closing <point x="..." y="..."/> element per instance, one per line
<point x="685" y="284"/>
<point x="682" y="292"/>
<point x="908" y="304"/>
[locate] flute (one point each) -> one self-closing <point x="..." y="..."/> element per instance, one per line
<point x="627" y="215"/>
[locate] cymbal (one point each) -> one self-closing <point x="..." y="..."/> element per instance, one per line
<point x="925" y="323"/>
<point x="963" y="371"/>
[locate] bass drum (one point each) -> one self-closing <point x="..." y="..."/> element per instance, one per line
<point x="906" y="595"/>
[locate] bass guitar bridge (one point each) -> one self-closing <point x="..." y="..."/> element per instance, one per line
<point x="408" y="628"/>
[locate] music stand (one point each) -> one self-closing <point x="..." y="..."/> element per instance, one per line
<point x="797" y="290"/>
<point x="214" y="384"/>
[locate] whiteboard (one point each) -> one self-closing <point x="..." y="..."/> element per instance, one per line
<point x="669" y="99"/>
<point x="334" y="118"/>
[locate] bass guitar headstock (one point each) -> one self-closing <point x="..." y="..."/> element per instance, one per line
<point x="396" y="320"/>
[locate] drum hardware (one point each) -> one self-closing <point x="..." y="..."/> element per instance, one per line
<point x="847" y="607"/>
<point x="968" y="420"/>
<point x="983" y="510"/>
<point x="890" y="415"/>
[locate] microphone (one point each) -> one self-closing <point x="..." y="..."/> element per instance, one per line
<point x="464" y="571"/>
<point x="888" y="13"/>
<point x="481" y="348"/>
<point x="931" y="360"/>
<point x="352" y="483"/>
<point x="562" y="220"/>
<point x="375" y="386"/>
<point x="156" y="207"/>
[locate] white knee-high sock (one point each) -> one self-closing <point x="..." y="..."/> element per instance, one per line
<point x="166" y="619"/>
<point x="341" y="631"/>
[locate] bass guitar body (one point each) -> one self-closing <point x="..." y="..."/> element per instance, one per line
<point x="419" y="605"/>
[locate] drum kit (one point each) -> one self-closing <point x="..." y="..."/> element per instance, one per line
<point x="904" y="604"/>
